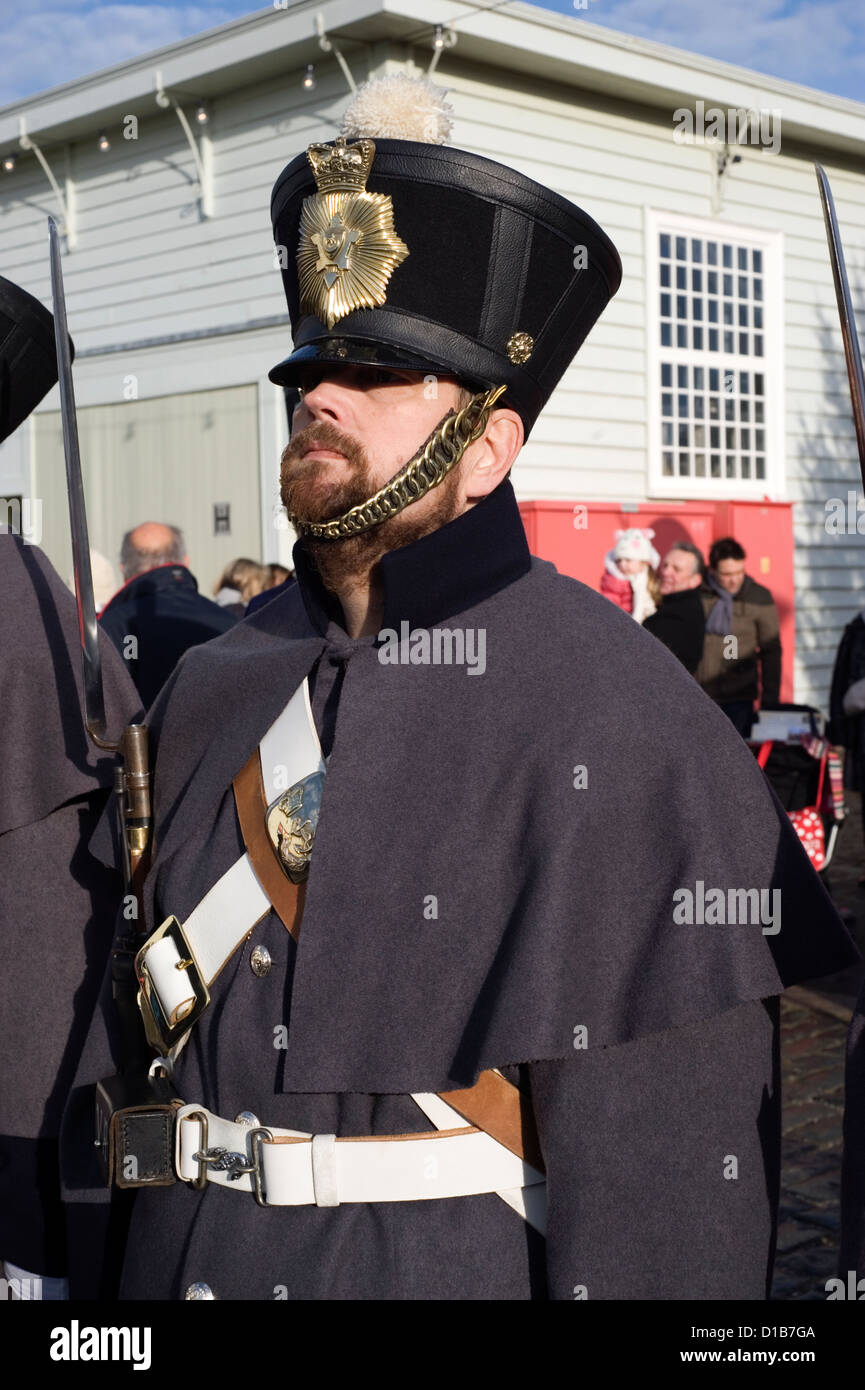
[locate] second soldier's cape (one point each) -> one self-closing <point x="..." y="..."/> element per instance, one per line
<point x="503" y="858"/>
<point x="853" y="1167"/>
<point x="48" y="758"/>
<point x="57" y="903"/>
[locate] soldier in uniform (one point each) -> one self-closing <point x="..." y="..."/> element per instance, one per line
<point x="499" y="1019"/>
<point x="58" y="902"/>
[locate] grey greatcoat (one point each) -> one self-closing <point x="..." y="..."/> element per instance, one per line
<point x="550" y="807"/>
<point x="853" y="1166"/>
<point x="57" y="903"/>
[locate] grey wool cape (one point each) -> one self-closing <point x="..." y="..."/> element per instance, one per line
<point x="57" y="903"/>
<point x="852" y="1256"/>
<point x="648" y="1046"/>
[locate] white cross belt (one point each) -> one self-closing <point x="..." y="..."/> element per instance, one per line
<point x="226" y="915"/>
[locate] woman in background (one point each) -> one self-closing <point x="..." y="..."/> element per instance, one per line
<point x="630" y="577"/>
<point x="241" y="580"/>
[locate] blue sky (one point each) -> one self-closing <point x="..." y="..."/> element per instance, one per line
<point x="818" y="42"/>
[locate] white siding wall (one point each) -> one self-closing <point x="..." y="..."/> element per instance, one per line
<point x="133" y="450"/>
<point x="145" y="266"/>
<point x="591" y="442"/>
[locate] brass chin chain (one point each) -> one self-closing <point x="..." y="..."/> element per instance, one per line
<point x="442" y="452"/>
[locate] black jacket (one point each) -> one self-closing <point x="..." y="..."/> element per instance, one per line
<point x="680" y="624"/>
<point x="166" y="615"/>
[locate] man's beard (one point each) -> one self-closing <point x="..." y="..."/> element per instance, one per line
<point x="345" y="564"/>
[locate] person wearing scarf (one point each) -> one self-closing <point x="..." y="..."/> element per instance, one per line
<point x="741" y="660"/>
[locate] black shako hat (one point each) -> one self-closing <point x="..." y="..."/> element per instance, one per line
<point x="28" y="355"/>
<point x="412" y="255"/>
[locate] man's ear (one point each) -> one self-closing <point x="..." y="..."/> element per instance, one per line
<point x="491" y="457"/>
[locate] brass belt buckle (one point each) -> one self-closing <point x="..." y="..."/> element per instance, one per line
<point x="161" y="1033"/>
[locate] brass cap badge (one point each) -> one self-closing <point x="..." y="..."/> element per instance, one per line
<point x="348" y="246"/>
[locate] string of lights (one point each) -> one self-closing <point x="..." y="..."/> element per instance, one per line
<point x="441" y="38"/>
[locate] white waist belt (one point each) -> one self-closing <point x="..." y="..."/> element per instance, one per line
<point x="287" y="1168"/>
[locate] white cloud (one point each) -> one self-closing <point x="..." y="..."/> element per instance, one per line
<point x="820" y="43"/>
<point x="47" y="42"/>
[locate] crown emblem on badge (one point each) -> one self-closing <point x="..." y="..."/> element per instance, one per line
<point x="291" y="822"/>
<point x="341" y="167"/>
<point x="348" y="247"/>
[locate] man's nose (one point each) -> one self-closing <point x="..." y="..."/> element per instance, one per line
<point x="326" y="400"/>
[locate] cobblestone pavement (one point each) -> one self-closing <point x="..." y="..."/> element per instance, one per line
<point x="813" y="1033"/>
<point x="812" y="1061"/>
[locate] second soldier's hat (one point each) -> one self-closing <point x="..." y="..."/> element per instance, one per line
<point x="28" y="355"/>
<point x="408" y="254"/>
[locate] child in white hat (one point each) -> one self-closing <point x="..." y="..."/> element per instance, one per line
<point x="630" y="573"/>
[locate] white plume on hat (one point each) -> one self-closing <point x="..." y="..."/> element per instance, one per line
<point x="636" y="544"/>
<point x="399" y="107"/>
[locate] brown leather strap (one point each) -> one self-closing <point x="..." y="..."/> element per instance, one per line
<point x="498" y="1107"/>
<point x="493" y="1104"/>
<point x="287" y="898"/>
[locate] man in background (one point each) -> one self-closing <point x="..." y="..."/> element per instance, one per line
<point x="680" y="620"/>
<point x="742" y="650"/>
<point x="159" y="613"/>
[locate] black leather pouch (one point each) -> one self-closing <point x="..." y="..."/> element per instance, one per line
<point x="135" y="1116"/>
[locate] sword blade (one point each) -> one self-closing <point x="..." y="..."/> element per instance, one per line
<point x="94" y="702"/>
<point x="852" y="352"/>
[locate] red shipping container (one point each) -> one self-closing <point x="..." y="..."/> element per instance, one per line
<point x="576" y="536"/>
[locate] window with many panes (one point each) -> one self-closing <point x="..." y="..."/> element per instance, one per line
<point x="714" y="353"/>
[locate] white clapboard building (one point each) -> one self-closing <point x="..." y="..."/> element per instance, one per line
<point x="711" y="397"/>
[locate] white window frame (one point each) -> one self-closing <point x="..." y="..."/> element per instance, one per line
<point x="771" y="364"/>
